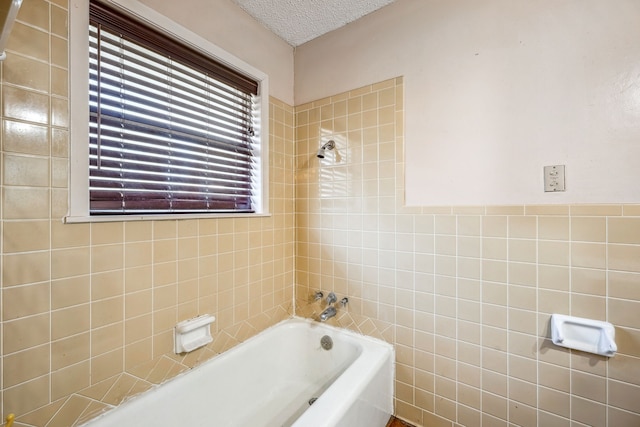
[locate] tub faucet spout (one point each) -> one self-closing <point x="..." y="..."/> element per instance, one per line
<point x="328" y="314"/>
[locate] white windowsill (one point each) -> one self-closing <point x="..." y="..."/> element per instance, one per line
<point x="162" y="217"/>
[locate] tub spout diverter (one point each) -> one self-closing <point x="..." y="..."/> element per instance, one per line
<point x="328" y="313"/>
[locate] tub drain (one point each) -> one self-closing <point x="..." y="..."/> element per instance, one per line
<point x="326" y="342"/>
<point x="312" y="400"/>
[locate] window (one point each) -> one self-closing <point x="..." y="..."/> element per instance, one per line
<point x="168" y="130"/>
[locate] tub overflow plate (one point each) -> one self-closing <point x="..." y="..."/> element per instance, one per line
<point x="326" y="342"/>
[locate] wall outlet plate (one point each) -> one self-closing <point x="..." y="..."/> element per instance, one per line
<point x="554" y="178"/>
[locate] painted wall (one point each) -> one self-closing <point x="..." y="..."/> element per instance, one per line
<point x="229" y="27"/>
<point x="495" y="90"/>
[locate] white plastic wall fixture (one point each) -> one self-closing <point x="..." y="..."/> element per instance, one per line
<point x="192" y="333"/>
<point x="592" y="336"/>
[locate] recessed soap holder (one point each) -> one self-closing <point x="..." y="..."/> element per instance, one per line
<point x="592" y="336"/>
<point x="192" y="333"/>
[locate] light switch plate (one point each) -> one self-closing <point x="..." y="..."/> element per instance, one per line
<point x="554" y="178"/>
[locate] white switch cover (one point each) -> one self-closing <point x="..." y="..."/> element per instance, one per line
<point x="554" y="178"/>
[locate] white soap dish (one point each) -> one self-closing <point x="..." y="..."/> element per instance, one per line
<point x="592" y="336"/>
<point x="192" y="333"/>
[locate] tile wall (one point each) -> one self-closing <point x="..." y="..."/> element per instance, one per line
<point x="88" y="309"/>
<point x="464" y="293"/>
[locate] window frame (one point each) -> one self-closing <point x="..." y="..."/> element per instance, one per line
<point x="79" y="110"/>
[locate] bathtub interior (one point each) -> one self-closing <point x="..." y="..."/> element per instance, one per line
<point x="271" y="389"/>
<point x="304" y="370"/>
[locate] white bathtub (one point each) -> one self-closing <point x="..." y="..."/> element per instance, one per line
<point x="268" y="382"/>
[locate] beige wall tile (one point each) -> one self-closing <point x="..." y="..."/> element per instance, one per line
<point x="29" y="41"/>
<point x="27" y="396"/>
<point x="624" y="257"/>
<point x="588" y="281"/>
<point x="138" y="303"/>
<point x="624" y="313"/>
<point x="138" y="278"/>
<point x="505" y="210"/>
<point x="591" y="387"/>
<point x="138" y="328"/>
<point x="26" y="72"/>
<point x="554" y="253"/>
<point x="107" y="257"/>
<point x="25" y="203"/>
<point x="624" y="285"/>
<point x="494" y="271"/>
<point x="59" y="137"/>
<point x="25" y="333"/>
<point x="523" y="274"/>
<point x="137" y="353"/>
<point x="588" y="229"/>
<point x="494" y="248"/>
<point x="27" y="138"/>
<point x="70" y="262"/>
<point x="553" y="228"/>
<point x="494" y="405"/>
<point x="554" y="401"/>
<point x="26" y="170"/>
<point x="554" y="277"/>
<point x="107" y="311"/>
<point x="107" y="285"/>
<point x="596" y="210"/>
<point x="135" y="231"/>
<point x="628" y="341"/>
<point x="523" y="227"/>
<point x="59" y="25"/>
<point x="70" y="321"/>
<point x="588" y="306"/>
<point x="22" y="301"/>
<point x="23" y="104"/>
<point x="522" y="414"/>
<point x="624" y="230"/>
<point x="106" y="365"/>
<point x="70" y="291"/>
<point x="618" y="417"/>
<point x="589" y="255"/>
<point x="546" y="210"/>
<point x="69" y="235"/>
<point x="70" y="379"/>
<point x="553" y="302"/>
<point x="60" y="58"/>
<point x="107" y="339"/>
<point x="105" y="233"/>
<point x="35" y="13"/>
<point x="70" y="351"/>
<point x="588" y="412"/>
<point x="25" y="365"/>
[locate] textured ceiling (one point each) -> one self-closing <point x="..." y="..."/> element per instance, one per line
<point x="298" y="21"/>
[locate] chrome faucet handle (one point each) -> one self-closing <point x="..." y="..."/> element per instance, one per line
<point x="318" y="296"/>
<point x="331" y="298"/>
<point x="344" y="301"/>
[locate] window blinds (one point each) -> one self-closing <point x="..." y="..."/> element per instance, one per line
<point x="171" y="131"/>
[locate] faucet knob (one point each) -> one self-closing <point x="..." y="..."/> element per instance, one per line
<point x="318" y="296"/>
<point x="344" y="301"/>
<point x="331" y="298"/>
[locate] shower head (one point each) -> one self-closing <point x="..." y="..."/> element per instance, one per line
<point x="329" y="145"/>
